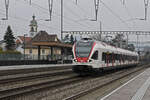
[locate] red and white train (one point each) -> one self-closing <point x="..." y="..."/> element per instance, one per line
<point x="90" y="55"/>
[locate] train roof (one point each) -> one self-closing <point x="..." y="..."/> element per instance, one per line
<point x="110" y="48"/>
<point x="115" y="49"/>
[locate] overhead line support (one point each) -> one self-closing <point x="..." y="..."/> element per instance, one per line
<point x="6" y="6"/>
<point x="61" y="28"/>
<point x="50" y="3"/>
<point x="96" y="2"/>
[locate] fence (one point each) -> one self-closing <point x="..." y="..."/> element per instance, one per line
<point x="19" y="59"/>
<point x="11" y="57"/>
<point x="34" y="57"/>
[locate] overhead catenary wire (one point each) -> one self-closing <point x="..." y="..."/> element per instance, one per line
<point x="129" y="14"/>
<point x="86" y="26"/>
<point x="57" y="15"/>
<point x="16" y="23"/>
<point x="25" y="20"/>
<point x="71" y="11"/>
<point x="74" y="20"/>
<point x="80" y="7"/>
<point x="117" y="16"/>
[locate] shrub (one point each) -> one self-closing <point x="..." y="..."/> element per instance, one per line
<point x="1" y="49"/>
<point x="10" y="55"/>
<point x="10" y="52"/>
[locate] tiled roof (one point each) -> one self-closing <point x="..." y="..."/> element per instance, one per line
<point x="43" y="36"/>
<point x="27" y="39"/>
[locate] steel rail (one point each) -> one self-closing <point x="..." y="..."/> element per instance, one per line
<point x="86" y="92"/>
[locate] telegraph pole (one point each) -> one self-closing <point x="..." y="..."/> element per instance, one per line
<point x="61" y="28"/>
<point x="100" y="30"/>
<point x="127" y="40"/>
<point x="137" y="41"/>
<point x="146" y="2"/>
<point x="146" y="12"/>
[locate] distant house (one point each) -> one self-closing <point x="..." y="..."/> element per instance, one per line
<point x="45" y="50"/>
<point x="56" y="47"/>
<point x="20" y="40"/>
<point x="42" y="45"/>
<point x="24" y="45"/>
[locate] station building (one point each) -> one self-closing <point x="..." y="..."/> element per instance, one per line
<point x="41" y="45"/>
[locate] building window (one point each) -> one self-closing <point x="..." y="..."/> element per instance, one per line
<point x="43" y="51"/>
<point x="30" y="51"/>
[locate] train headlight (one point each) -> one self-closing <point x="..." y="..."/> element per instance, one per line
<point x="75" y="60"/>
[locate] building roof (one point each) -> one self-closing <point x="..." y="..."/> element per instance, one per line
<point x="44" y="39"/>
<point x="21" y="39"/>
<point x="43" y="36"/>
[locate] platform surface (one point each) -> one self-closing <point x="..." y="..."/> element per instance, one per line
<point x="137" y="88"/>
<point x="31" y="66"/>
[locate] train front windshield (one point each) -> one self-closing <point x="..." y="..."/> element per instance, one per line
<point x="83" y="49"/>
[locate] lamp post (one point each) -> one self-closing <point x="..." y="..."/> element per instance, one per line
<point x="100" y="30"/>
<point x="61" y="28"/>
<point x="24" y="40"/>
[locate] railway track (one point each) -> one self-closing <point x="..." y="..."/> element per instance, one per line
<point x="107" y="82"/>
<point x="31" y="70"/>
<point x="17" y="81"/>
<point x="60" y="88"/>
<point x="75" y="90"/>
<point x="9" y="93"/>
<point x="28" y="76"/>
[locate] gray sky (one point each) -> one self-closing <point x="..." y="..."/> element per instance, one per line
<point x="112" y="13"/>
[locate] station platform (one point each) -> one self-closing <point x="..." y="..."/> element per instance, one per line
<point x="31" y="66"/>
<point x="137" y="88"/>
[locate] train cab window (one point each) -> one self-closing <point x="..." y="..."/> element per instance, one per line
<point x="95" y="55"/>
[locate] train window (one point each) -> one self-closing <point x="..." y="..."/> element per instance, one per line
<point x="117" y="57"/>
<point x="103" y="56"/>
<point x="83" y="49"/>
<point x="110" y="58"/>
<point x="95" y="55"/>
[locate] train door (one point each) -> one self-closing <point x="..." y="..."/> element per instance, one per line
<point x="95" y="57"/>
<point x="107" y="59"/>
<point x="103" y="59"/>
<point x="113" y="59"/>
<point x="99" y="58"/>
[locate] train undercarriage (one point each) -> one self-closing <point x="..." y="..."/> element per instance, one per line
<point x="88" y="70"/>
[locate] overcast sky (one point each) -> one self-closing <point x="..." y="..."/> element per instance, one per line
<point x="112" y="13"/>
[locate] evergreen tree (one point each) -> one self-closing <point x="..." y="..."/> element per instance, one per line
<point x="66" y="38"/>
<point x="75" y="40"/>
<point x="71" y="39"/>
<point x="9" y="39"/>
